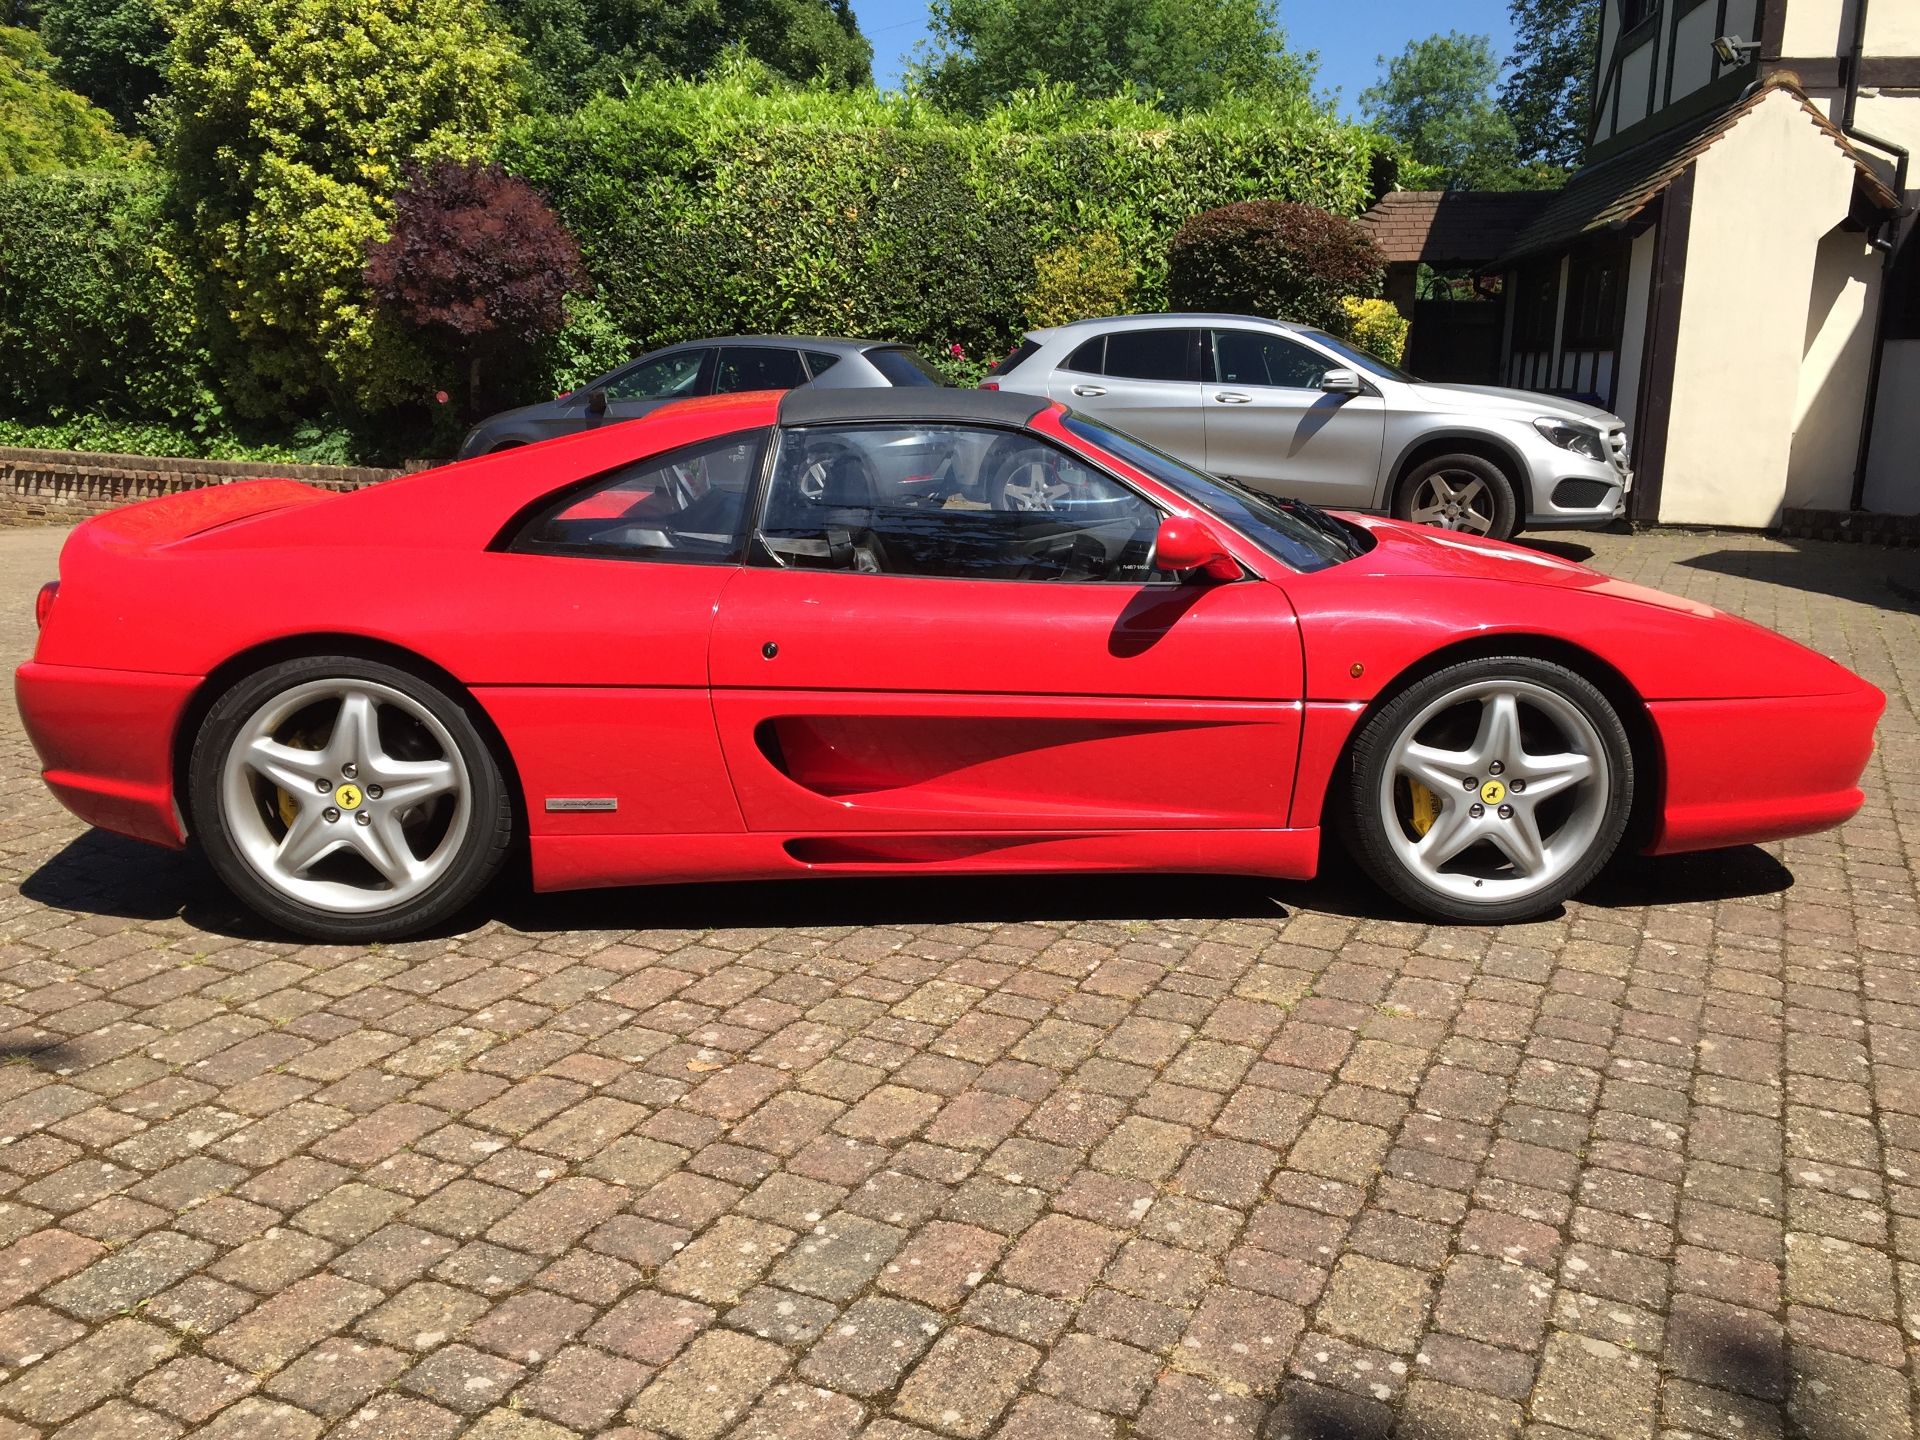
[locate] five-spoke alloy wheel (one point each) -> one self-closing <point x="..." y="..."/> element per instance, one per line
<point x="347" y="799"/>
<point x="1460" y="492"/>
<point x="1490" y="791"/>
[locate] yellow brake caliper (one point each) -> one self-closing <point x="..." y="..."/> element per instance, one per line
<point x="283" y="802"/>
<point x="1426" y="807"/>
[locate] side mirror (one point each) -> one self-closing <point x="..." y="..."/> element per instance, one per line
<point x="1341" y="382"/>
<point x="597" y="400"/>
<point x="1187" y="544"/>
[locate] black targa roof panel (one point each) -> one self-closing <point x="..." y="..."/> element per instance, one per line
<point x="823" y="407"/>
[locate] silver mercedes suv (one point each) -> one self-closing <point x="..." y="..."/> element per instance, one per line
<point x="1301" y="414"/>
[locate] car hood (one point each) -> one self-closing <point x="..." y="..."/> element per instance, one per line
<point x="1514" y="404"/>
<point x="1402" y="549"/>
<point x="1678" y="647"/>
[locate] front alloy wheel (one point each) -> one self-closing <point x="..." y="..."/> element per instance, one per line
<point x="1490" y="791"/>
<point x="1460" y="492"/>
<point x="347" y="799"/>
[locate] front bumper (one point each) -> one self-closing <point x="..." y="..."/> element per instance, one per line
<point x="1740" y="772"/>
<point x="105" y="741"/>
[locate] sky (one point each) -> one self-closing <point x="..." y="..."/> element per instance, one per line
<point x="1349" y="34"/>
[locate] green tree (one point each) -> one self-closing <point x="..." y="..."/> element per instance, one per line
<point x="1547" y="95"/>
<point x="580" y="48"/>
<point x="111" y="51"/>
<point x="44" y="126"/>
<point x="293" y="122"/>
<point x="1436" y="99"/>
<point x="1181" y="54"/>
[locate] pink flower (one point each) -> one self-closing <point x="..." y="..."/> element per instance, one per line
<point x="440" y="397"/>
<point x="956" y="352"/>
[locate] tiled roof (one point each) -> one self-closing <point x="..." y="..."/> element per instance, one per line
<point x="1620" y="187"/>
<point x="1451" y="228"/>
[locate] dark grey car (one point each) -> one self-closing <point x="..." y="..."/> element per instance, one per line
<point x="703" y="367"/>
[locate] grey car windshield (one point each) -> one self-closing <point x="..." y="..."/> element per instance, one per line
<point x="1360" y="359"/>
<point x="1305" y="538"/>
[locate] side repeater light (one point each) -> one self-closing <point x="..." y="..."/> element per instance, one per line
<point x="43" y="603"/>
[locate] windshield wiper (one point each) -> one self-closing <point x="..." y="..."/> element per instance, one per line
<point x="1321" y="521"/>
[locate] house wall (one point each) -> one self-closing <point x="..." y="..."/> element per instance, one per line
<point x="1693" y="59"/>
<point x="1833" y="371"/>
<point x="1765" y="195"/>
<point x="1823" y="27"/>
<point x="1633" y="338"/>
<point x="1893" y="464"/>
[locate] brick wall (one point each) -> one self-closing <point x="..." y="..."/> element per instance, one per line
<point x="60" y="487"/>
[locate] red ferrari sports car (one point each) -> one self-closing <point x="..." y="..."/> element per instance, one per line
<point x="890" y="632"/>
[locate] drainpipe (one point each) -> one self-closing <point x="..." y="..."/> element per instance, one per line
<point x="1887" y="245"/>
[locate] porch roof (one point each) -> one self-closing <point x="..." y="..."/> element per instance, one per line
<point x="1451" y="229"/>
<point x="1620" y="187"/>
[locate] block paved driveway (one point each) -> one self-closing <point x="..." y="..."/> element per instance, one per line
<point x="1151" y="1158"/>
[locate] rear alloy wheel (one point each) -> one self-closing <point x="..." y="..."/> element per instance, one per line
<point x="348" y="800"/>
<point x="1460" y="492"/>
<point x="1490" y="791"/>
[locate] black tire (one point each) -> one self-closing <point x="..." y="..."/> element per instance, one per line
<point x="1504" y="508"/>
<point x="474" y="860"/>
<point x="1359" y="813"/>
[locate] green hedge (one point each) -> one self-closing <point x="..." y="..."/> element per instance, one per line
<point x="736" y="205"/>
<point x="729" y="207"/>
<point x="93" y="315"/>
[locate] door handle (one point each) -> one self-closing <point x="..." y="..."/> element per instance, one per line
<point x="1089" y="389"/>
<point x="1233" y="397"/>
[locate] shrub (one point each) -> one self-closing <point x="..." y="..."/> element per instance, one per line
<point x="111" y="51"/>
<point x="1377" y="327"/>
<point x="93" y="313"/>
<point x="42" y="125"/>
<point x="1269" y="257"/>
<point x="476" y="264"/>
<point x="292" y="121"/>
<point x="1091" y="276"/>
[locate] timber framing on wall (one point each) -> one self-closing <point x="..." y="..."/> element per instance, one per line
<point x="1653" y="409"/>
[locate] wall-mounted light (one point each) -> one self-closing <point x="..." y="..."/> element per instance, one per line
<point x="1732" y="49"/>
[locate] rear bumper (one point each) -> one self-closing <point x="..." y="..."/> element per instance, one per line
<point x="1739" y="772"/>
<point x="105" y="741"/>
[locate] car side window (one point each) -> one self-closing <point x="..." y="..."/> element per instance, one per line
<point x="1249" y="357"/>
<point x="1090" y="358"/>
<point x="820" y="361"/>
<point x="950" y="502"/>
<point x="757" y="367"/>
<point x="689" y="505"/>
<point x="1165" y="355"/>
<point x="665" y="377"/>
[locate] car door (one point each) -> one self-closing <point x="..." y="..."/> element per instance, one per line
<point x="610" y="724"/>
<point x="1146" y="382"/>
<point x="956" y="629"/>
<point x="1269" y="424"/>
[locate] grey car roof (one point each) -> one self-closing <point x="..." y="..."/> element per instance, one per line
<point x="1169" y="317"/>
<point x="915" y="402"/>
<point x="812" y="342"/>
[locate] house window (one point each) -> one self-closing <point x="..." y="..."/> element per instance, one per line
<point x="1596" y="285"/>
<point x="1633" y="12"/>
<point x="1536" y="305"/>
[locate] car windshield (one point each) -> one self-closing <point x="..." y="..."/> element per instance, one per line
<point x="1304" y="536"/>
<point x="1360" y="359"/>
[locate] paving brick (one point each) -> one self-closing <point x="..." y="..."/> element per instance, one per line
<point x="710" y="1386"/>
<point x="966" y="1380"/>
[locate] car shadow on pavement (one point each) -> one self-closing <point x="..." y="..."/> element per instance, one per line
<point x="1560" y="549"/>
<point x="1869" y="574"/>
<point x="102" y="874"/>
